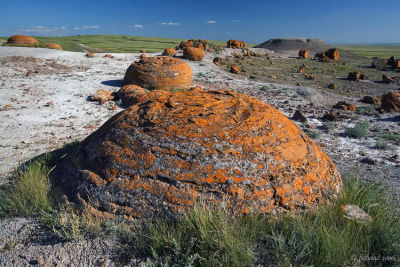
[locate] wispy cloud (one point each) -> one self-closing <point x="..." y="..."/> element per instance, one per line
<point x="170" y="23"/>
<point x="138" y="26"/>
<point x="77" y="28"/>
<point x="44" y="30"/>
<point x="211" y="22"/>
<point x="238" y="20"/>
<point x="91" y="27"/>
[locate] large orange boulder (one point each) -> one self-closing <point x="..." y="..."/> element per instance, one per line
<point x="332" y="54"/>
<point x="170" y="52"/>
<point x="183" y="44"/>
<point x="391" y="101"/>
<point x="193" y="53"/>
<point x="54" y="46"/>
<point x="236" y="44"/>
<point x="227" y="149"/>
<point x="22" y="40"/>
<point x="165" y="73"/>
<point x="303" y="54"/>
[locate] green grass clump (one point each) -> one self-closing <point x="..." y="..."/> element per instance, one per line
<point x="328" y="239"/>
<point x="265" y="88"/>
<point x="211" y="237"/>
<point x="391" y="137"/>
<point x="359" y="131"/>
<point x="328" y="126"/>
<point x="202" y="237"/>
<point x="28" y="194"/>
<point x="382" y="145"/>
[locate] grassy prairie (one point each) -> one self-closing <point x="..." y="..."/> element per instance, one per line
<point x="113" y="43"/>
<point x="373" y="51"/>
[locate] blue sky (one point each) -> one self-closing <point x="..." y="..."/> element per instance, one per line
<point x="339" y="21"/>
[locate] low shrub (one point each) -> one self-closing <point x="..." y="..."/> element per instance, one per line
<point x="358" y="131"/>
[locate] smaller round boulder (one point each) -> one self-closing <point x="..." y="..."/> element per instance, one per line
<point x="170" y="52"/>
<point x="163" y="73"/>
<point x="193" y="53"/>
<point x="54" y="46"/>
<point x="303" y="54"/>
<point x="129" y="94"/>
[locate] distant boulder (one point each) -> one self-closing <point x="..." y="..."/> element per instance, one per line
<point x="236" y="44"/>
<point x="235" y="69"/>
<point x="193" y="53"/>
<point x="391" y="102"/>
<point x="170" y="52"/>
<point x="353" y="76"/>
<point x="371" y="100"/>
<point x="22" y="40"/>
<point x="378" y="63"/>
<point x="333" y="54"/>
<point x="303" y="54"/>
<point x="54" y="46"/>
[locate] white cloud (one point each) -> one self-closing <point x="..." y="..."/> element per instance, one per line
<point x="238" y="20"/>
<point x="43" y="30"/>
<point x="170" y="23"/>
<point x="91" y="27"/>
<point x="211" y="21"/>
<point x="77" y="28"/>
<point x="138" y="26"/>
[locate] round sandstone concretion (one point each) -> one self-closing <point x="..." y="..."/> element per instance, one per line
<point x="22" y="40"/>
<point x="170" y="52"/>
<point x="158" y="157"/>
<point x="194" y="53"/>
<point x="54" y="46"/>
<point x="164" y="73"/>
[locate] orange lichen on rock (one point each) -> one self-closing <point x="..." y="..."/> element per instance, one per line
<point x="22" y="40"/>
<point x="156" y="158"/>
<point x="193" y="53"/>
<point x="303" y="54"/>
<point x="170" y="52"/>
<point x="236" y="44"/>
<point x="165" y="73"/>
<point x="54" y="46"/>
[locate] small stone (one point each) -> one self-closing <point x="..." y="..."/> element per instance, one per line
<point x="368" y="161"/>
<point x="299" y="116"/>
<point x="353" y="212"/>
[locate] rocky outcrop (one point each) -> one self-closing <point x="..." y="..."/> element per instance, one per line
<point x="54" y="46"/>
<point x="236" y="44"/>
<point x="165" y="73"/>
<point x="303" y="54"/>
<point x="391" y="102"/>
<point x="193" y="53"/>
<point x="171" y="149"/>
<point x="170" y="52"/>
<point x="22" y="40"/>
